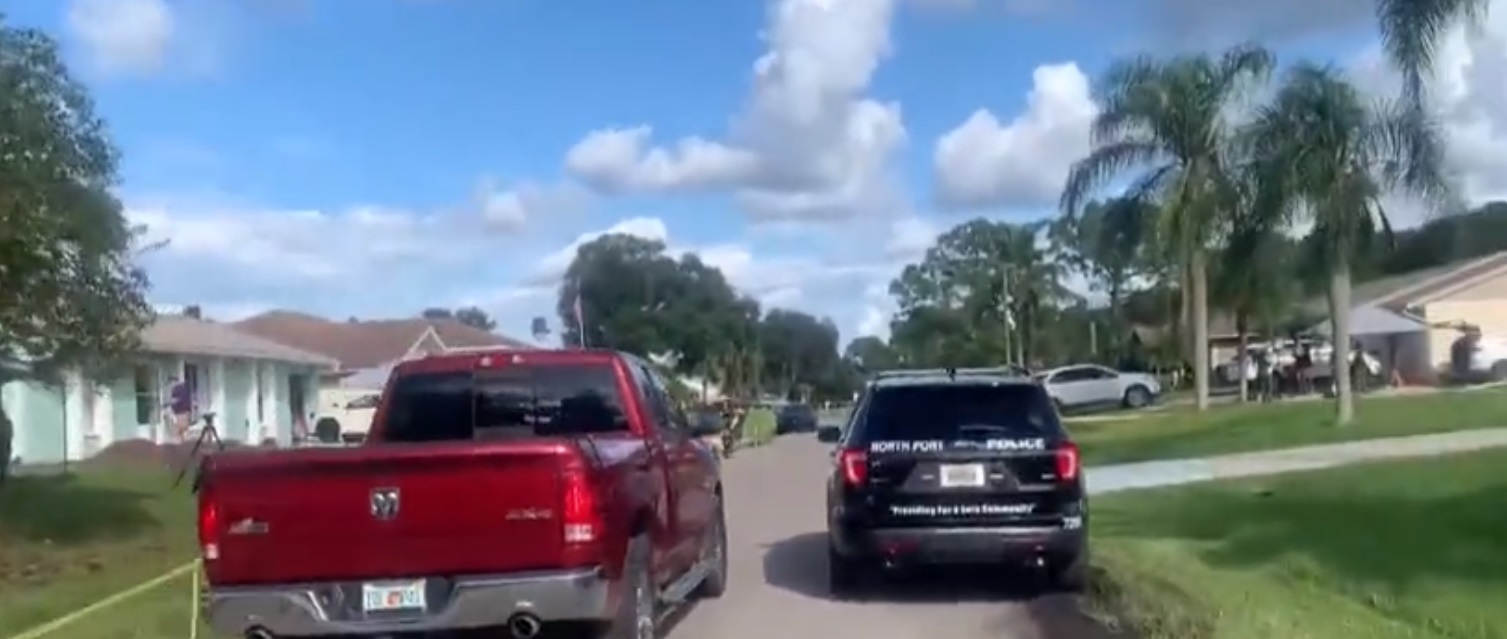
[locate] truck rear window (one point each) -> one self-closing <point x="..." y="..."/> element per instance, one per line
<point x="514" y="402"/>
<point x="957" y="411"/>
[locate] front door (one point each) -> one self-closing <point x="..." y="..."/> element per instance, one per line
<point x="192" y="377"/>
<point x="298" y="385"/>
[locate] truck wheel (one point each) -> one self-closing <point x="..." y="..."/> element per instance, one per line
<point x="327" y="430"/>
<point x="716" y="552"/>
<point x="638" y="612"/>
<point x="846" y="578"/>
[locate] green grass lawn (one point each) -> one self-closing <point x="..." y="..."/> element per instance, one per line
<point x="1413" y="549"/>
<point x="759" y="426"/>
<point x="69" y="541"/>
<point x="1178" y="432"/>
<point x="165" y="612"/>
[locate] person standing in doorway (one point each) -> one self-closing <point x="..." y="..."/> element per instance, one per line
<point x="180" y="407"/>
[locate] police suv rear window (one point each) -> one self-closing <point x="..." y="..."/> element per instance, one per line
<point x="954" y="412"/>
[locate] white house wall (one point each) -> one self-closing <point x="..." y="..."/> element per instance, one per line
<point x="79" y="419"/>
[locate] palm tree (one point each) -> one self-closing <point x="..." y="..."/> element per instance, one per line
<point x="1168" y="122"/>
<point x="1338" y="154"/>
<point x="1410" y="33"/>
<point x="1252" y="277"/>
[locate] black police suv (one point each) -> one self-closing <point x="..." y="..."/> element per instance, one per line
<point x="953" y="467"/>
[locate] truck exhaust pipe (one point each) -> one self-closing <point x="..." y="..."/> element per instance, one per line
<point x="523" y="626"/>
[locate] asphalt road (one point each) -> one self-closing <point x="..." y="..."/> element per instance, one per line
<point x="778" y="565"/>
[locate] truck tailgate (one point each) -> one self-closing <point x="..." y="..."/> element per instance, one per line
<point x="387" y="511"/>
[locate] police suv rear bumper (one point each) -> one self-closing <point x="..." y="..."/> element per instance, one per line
<point x="962" y="545"/>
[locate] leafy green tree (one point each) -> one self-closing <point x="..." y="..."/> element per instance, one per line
<point x="869" y="353"/>
<point x="1167" y="124"/>
<point x="71" y="295"/>
<point x="1340" y="155"/>
<point x="1108" y="243"/>
<point x="635" y="297"/>
<point x="800" y="349"/>
<point x="979" y="297"/>
<point x="475" y="318"/>
<point x="471" y="316"/>
<point x="623" y="284"/>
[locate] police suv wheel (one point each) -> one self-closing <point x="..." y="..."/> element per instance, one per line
<point x="1071" y="574"/>
<point x="844" y="576"/>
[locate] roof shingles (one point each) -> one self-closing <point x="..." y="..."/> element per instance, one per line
<point x="188" y="336"/>
<point x="366" y="344"/>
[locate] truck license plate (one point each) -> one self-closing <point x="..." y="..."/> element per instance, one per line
<point x="962" y="475"/>
<point x="382" y="597"/>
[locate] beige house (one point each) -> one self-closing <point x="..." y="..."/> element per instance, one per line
<point x="1411" y="320"/>
<point x="364" y="353"/>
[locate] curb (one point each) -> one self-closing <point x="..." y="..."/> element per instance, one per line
<point x="1177" y="472"/>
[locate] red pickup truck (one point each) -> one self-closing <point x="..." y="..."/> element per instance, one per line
<point x="510" y="491"/>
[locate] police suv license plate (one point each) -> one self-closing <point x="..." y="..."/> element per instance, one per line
<point x="389" y="596"/>
<point x="962" y="475"/>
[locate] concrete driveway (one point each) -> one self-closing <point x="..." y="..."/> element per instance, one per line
<point x="778" y="563"/>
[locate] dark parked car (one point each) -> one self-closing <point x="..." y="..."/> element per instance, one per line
<point x="954" y="468"/>
<point x="795" y="418"/>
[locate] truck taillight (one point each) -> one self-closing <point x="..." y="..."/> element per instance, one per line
<point x="209" y="526"/>
<point x="1068" y="463"/>
<point x="578" y="505"/>
<point x="854" y="465"/>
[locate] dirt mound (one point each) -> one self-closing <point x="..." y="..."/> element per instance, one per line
<point x="143" y="454"/>
<point x="131" y="453"/>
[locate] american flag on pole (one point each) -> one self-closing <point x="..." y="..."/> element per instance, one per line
<point x="580" y="316"/>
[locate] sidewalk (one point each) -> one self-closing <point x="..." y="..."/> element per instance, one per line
<point x="1155" y="474"/>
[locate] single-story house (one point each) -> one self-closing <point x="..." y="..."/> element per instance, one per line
<point x="258" y="390"/>
<point x="365" y="352"/>
<point x="1411" y="320"/>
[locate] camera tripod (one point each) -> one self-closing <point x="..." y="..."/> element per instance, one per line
<point x="207" y="434"/>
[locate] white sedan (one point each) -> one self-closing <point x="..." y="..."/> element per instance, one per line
<point x="1088" y="386"/>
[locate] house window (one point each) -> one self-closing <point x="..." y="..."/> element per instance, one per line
<point x="146" y="394"/>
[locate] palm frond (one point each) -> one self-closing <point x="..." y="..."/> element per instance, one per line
<point x="1410" y="35"/>
<point x="1101" y="166"/>
<point x="1409" y="148"/>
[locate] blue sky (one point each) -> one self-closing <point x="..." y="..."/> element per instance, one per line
<point x="373" y="158"/>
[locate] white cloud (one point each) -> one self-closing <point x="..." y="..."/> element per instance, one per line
<point x="233" y="258"/>
<point x="512" y="209"/>
<point x="123" y="36"/>
<point x="986" y="163"/>
<point x="910" y="237"/>
<point x="553" y="266"/>
<point x="809" y="143"/>
<point x="619" y="161"/>
<point x="878" y="310"/>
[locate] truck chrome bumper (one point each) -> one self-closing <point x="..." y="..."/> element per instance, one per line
<point x="334" y="608"/>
